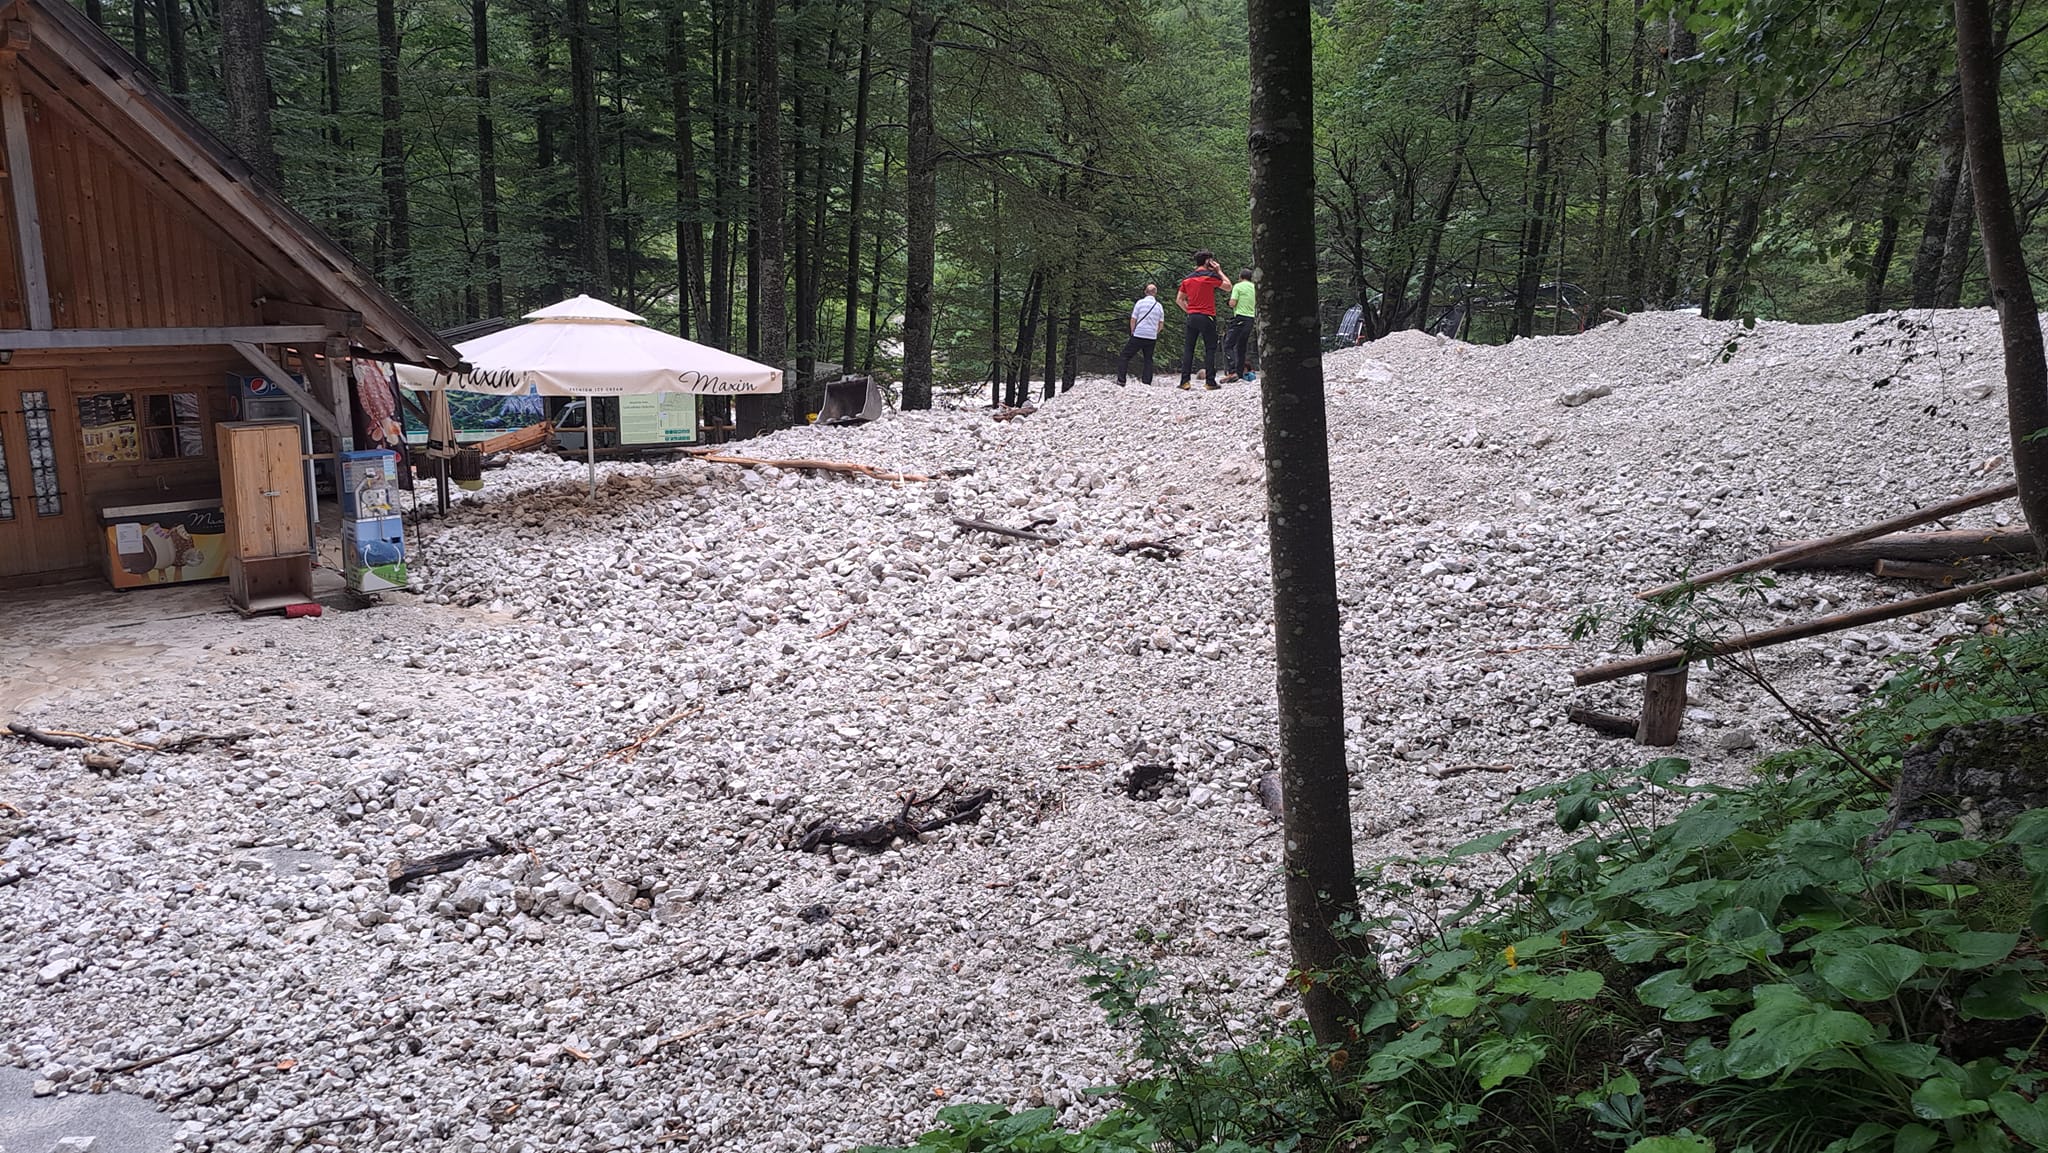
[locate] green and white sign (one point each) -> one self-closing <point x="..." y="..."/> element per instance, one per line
<point x="658" y="418"/>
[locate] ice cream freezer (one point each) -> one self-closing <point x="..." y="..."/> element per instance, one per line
<point x="169" y="543"/>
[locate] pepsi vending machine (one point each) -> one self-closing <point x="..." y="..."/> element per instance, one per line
<point x="372" y="531"/>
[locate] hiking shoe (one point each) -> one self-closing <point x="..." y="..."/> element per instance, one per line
<point x="1212" y="386"/>
<point x="1185" y="386"/>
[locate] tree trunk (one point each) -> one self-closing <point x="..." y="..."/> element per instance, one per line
<point x="768" y="201"/>
<point x="397" y="247"/>
<point x="867" y="363"/>
<point x="340" y="220"/>
<point x="1603" y="250"/>
<point x="856" y="182"/>
<point x="1070" y="364"/>
<point x="1536" y="221"/>
<point x="2012" y="292"/>
<point x="176" y="70"/>
<point x="1905" y="141"/>
<point x="138" y="29"/>
<point x="1668" y="235"/>
<point x="95" y="13"/>
<point x="689" y="222"/>
<point x="1321" y="882"/>
<point x="1052" y="346"/>
<point x="1956" y="249"/>
<point x="921" y="210"/>
<point x="1637" y="278"/>
<point x="554" y="210"/>
<point x="1447" y="196"/>
<point x="1019" y="390"/>
<point x="592" y="272"/>
<point x="719" y="296"/>
<point x="1925" y="276"/>
<point x="1756" y="184"/>
<point x="487" y="157"/>
<point x="245" y="83"/>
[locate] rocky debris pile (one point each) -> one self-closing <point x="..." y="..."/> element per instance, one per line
<point x="654" y="694"/>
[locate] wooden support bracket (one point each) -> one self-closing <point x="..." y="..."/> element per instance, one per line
<point x="275" y="374"/>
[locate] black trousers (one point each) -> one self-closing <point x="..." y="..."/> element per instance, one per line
<point x="1142" y="345"/>
<point x="1237" y="345"/>
<point x="1198" y="325"/>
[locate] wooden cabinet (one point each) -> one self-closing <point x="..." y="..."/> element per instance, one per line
<point x="263" y="497"/>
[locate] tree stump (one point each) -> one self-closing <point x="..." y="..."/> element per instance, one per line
<point x="1663" y="708"/>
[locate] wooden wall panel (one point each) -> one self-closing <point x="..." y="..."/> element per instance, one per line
<point x="123" y="251"/>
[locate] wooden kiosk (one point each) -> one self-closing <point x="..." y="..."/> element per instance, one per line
<point x="146" y="275"/>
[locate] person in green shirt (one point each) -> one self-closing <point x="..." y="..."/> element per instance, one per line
<point x="1237" y="341"/>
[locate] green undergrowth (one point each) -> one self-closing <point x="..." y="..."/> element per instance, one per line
<point x="1758" y="969"/>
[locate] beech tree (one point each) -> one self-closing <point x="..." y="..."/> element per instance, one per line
<point x="1321" y="884"/>
<point x="2012" y="291"/>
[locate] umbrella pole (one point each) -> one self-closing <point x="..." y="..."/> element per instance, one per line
<point x="590" y="441"/>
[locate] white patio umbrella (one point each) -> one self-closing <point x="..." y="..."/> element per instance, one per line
<point x="586" y="348"/>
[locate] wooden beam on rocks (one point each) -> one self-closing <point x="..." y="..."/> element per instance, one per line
<point x="1665" y="662"/>
<point x="1918" y="570"/>
<point x="1950" y="544"/>
<point x="1785" y="556"/>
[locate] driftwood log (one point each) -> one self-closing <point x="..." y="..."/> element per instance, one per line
<point x="807" y="465"/>
<point x="404" y="872"/>
<point x="64" y="739"/>
<point x="1790" y="554"/>
<point x="1953" y="544"/>
<point x="1606" y="724"/>
<point x="968" y="523"/>
<point x="879" y="834"/>
<point x="1918" y="570"/>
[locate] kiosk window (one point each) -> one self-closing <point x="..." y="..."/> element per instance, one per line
<point x="171" y="426"/>
<point x="42" y="454"/>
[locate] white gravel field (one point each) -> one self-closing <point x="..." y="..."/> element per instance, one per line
<point x="795" y="646"/>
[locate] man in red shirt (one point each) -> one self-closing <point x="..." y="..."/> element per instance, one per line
<point x="1197" y="296"/>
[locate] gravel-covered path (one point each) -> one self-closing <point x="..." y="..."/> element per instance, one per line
<point x="658" y="968"/>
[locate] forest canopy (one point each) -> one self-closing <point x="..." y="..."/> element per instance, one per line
<point x="1485" y="167"/>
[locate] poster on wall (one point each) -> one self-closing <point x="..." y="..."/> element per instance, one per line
<point x="661" y="418"/>
<point x="107" y="429"/>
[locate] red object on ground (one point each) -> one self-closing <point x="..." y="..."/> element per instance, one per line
<point x="308" y="609"/>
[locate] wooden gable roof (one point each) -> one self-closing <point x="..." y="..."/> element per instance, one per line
<point x="149" y="221"/>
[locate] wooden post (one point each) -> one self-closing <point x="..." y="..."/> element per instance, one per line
<point x="21" y="176"/>
<point x="1663" y="708"/>
<point x="1810" y="548"/>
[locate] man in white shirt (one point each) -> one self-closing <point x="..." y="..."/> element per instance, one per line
<point x="1145" y="317"/>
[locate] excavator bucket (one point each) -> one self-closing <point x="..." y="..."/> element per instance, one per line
<point x="850" y="400"/>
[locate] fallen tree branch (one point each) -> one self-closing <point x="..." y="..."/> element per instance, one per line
<point x="1008" y="413"/>
<point x="965" y="523"/>
<point x="65" y="739"/>
<point x="403" y="872"/>
<point x="706" y="1027"/>
<point x="879" y="834"/>
<point x="807" y="465"/>
<point x="1606" y="724"/>
<point x="196" y="1046"/>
